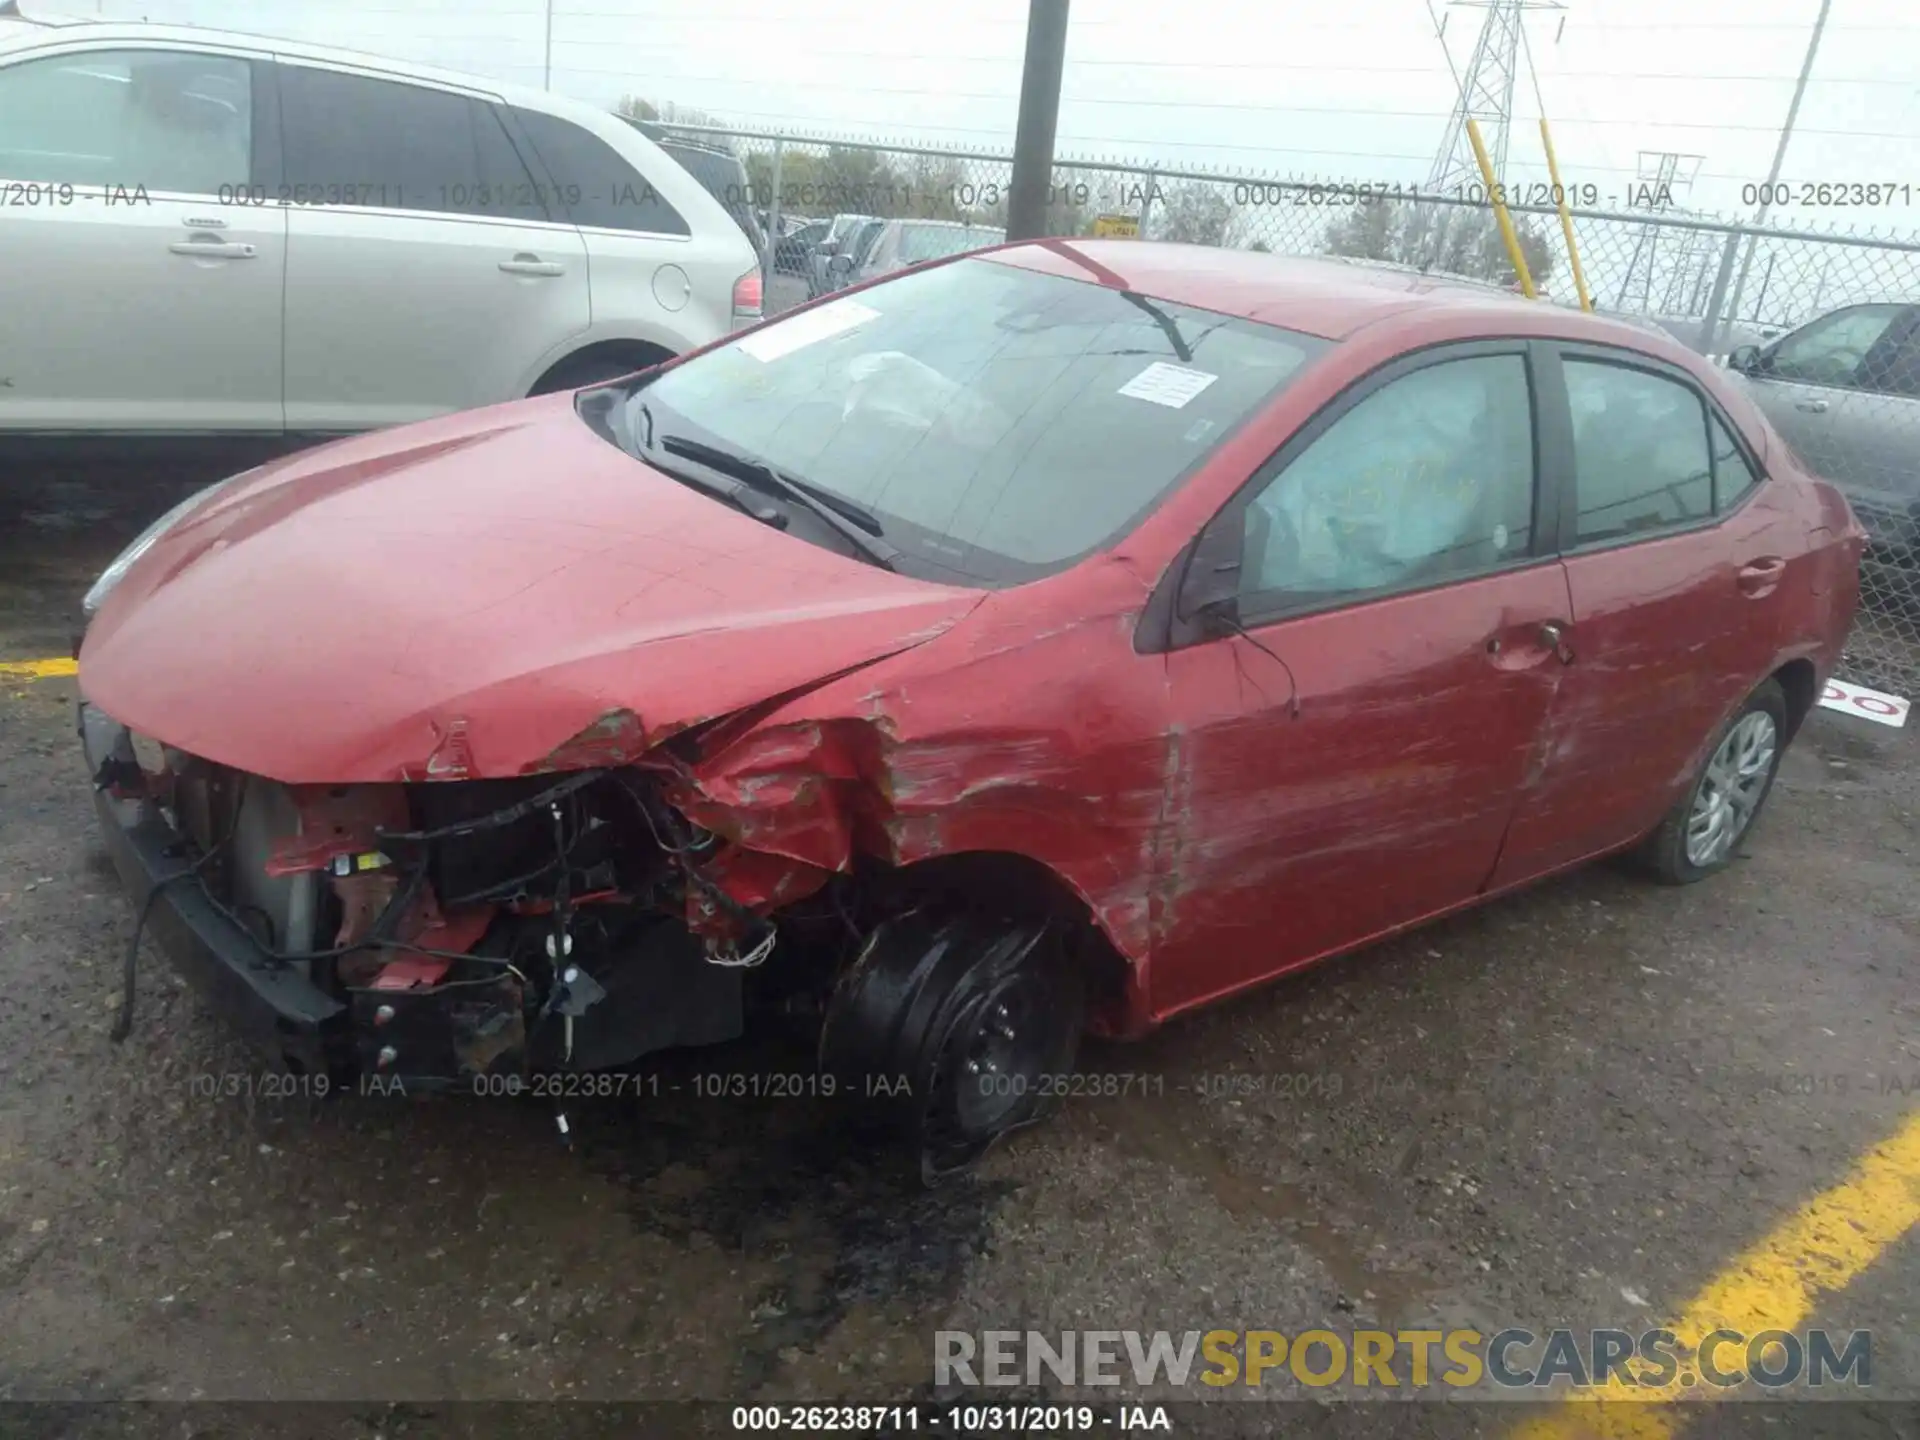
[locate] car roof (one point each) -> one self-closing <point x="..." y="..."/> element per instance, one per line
<point x="1328" y="296"/>
<point x="44" y="28"/>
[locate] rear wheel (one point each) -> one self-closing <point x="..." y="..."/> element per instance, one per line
<point x="594" y="366"/>
<point x="1702" y="833"/>
<point x="951" y="1031"/>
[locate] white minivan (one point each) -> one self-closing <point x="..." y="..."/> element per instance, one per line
<point x="204" y="232"/>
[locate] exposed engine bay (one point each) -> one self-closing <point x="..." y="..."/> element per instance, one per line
<point x="479" y="930"/>
<point x="483" y="927"/>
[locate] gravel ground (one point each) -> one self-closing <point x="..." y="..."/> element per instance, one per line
<point x="1566" y="1108"/>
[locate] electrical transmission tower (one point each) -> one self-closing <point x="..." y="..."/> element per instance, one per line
<point x="1660" y="174"/>
<point x="1486" y="93"/>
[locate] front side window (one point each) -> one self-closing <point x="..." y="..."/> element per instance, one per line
<point x="164" y="120"/>
<point x="602" y="191"/>
<point x="1892" y="367"/>
<point x="1832" y="349"/>
<point x="1639" y="452"/>
<point x="998" y="422"/>
<point x="353" y="140"/>
<point x="1427" y="479"/>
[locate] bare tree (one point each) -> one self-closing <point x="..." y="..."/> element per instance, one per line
<point x="1450" y="239"/>
<point x="1194" y="211"/>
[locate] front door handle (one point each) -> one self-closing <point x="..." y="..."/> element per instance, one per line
<point x="1553" y="635"/>
<point x="1759" y="577"/>
<point x="532" y="265"/>
<point x="212" y="249"/>
<point x="1812" y="407"/>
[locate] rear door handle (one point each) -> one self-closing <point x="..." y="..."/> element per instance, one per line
<point x="1812" y="407"/>
<point x="212" y="249"/>
<point x="532" y="265"/>
<point x="1553" y="635"/>
<point x="1758" y="577"/>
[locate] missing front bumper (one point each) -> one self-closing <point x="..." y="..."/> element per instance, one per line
<point x="271" y="1002"/>
<point x="655" y="990"/>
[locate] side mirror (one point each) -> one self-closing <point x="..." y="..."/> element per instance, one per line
<point x="1212" y="581"/>
<point x="1744" y="358"/>
<point x="840" y="265"/>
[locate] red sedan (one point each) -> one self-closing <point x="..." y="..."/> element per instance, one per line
<point x="1057" y="637"/>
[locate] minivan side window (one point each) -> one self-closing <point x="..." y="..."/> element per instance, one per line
<point x="354" y="140"/>
<point x="1639" y="451"/>
<point x="600" y="188"/>
<point x="1429" y="478"/>
<point x="162" y="120"/>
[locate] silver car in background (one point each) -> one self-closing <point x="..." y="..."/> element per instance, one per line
<point x="1844" y="391"/>
<point x="887" y="246"/>
<point x="228" y="233"/>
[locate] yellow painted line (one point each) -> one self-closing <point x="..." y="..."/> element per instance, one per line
<point x="37" y="669"/>
<point x="1772" y="1285"/>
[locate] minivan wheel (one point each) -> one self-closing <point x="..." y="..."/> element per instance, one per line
<point x="950" y="1031"/>
<point x="595" y="367"/>
<point x="1702" y="833"/>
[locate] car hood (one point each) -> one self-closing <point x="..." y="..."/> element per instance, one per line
<point x="494" y="593"/>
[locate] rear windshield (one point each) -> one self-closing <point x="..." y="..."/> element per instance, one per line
<point x="1000" y="423"/>
<point x="931" y="242"/>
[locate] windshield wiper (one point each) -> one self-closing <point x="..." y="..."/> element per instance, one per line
<point x="857" y="526"/>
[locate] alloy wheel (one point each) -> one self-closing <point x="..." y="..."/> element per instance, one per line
<point x="1731" y="790"/>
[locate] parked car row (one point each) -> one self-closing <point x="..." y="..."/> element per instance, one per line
<point x="831" y="254"/>
<point x="227" y="233"/>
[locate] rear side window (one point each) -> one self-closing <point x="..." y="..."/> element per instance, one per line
<point x="351" y="140"/>
<point x="601" y="189"/>
<point x="163" y="120"/>
<point x="1639" y="451"/>
<point x="725" y="179"/>
<point x="1732" y="476"/>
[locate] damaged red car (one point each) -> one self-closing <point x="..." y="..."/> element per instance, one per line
<point x="1051" y="639"/>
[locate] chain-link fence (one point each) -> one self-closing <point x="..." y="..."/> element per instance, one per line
<point x="1843" y="388"/>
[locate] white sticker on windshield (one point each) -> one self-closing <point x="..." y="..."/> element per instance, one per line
<point x="1169" y="385"/>
<point x="808" y="328"/>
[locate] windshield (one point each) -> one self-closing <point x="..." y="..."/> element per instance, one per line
<point x="931" y="242"/>
<point x="998" y="423"/>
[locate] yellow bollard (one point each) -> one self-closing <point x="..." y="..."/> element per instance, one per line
<point x="1500" y="212"/>
<point x="1566" y="218"/>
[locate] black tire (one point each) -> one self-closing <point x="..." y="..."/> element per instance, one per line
<point x="1664" y="855"/>
<point x="579" y="371"/>
<point x="950" y="1031"/>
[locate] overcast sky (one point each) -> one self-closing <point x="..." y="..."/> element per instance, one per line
<point x="1358" y="90"/>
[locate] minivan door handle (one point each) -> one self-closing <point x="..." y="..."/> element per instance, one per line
<point x="212" y="249"/>
<point x="1811" y="406"/>
<point x="525" y="264"/>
